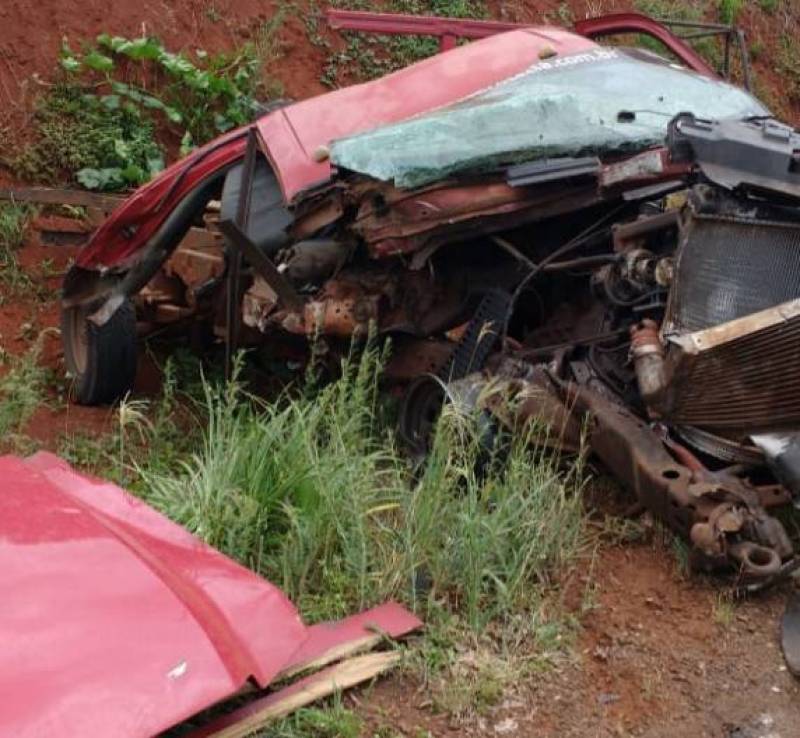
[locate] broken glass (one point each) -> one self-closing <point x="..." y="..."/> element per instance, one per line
<point x="604" y="101"/>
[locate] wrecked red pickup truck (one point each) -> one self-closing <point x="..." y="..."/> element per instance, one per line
<point x="593" y="237"/>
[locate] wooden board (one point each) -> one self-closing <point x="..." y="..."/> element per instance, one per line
<point x="254" y="716"/>
<point x="61" y="196"/>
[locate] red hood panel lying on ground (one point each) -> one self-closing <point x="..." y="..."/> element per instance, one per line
<point x="292" y="134"/>
<point x="115" y="621"/>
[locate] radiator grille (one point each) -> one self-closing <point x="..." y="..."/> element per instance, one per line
<point x="734" y="316"/>
<point x="749" y="383"/>
<point x="729" y="268"/>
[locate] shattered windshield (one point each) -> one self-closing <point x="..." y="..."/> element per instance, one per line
<point x="599" y="102"/>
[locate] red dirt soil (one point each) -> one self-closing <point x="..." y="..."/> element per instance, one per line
<point x="31" y="33"/>
<point x="652" y="660"/>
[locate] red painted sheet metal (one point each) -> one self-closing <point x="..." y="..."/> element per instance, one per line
<point x="420" y="25"/>
<point x="391" y="620"/>
<point x="115" y="621"/>
<point x="133" y="223"/>
<point x="619" y="23"/>
<point x="293" y="134"/>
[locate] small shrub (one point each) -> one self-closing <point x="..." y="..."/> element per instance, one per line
<point x="99" y="124"/>
<point x="103" y="143"/>
<point x="204" y="95"/>
<point x="729" y="10"/>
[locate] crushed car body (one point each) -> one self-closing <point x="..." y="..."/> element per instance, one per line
<point x="594" y="237"/>
<point x="117" y="622"/>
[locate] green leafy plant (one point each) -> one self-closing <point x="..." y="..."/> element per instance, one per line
<point x="103" y="121"/>
<point x="205" y="94"/>
<point x="103" y="143"/>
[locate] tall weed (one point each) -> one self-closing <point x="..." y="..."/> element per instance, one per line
<point x="22" y="389"/>
<point x="312" y="491"/>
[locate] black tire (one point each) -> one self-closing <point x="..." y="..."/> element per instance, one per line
<point x="101" y="359"/>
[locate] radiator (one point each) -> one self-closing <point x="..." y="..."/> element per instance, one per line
<point x="731" y="267"/>
<point x="733" y="327"/>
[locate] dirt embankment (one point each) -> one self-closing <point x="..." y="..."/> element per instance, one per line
<point x="31" y="33"/>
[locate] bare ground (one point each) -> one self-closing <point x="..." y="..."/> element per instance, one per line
<point x="657" y="657"/>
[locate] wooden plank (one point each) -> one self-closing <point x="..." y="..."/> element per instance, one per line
<point x="250" y="718"/>
<point x="333" y="641"/>
<point x="61" y="196"/>
<point x="335" y="653"/>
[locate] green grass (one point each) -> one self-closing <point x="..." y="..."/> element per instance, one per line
<point x="22" y="389"/>
<point x="312" y="492"/>
<point x="335" y="721"/>
<point x="724" y="610"/>
<point x="729" y="11"/>
<point x="14" y="219"/>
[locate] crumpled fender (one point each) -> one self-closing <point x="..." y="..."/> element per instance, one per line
<point x="126" y="231"/>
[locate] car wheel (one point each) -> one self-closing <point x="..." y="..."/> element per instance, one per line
<point x="101" y="359"/>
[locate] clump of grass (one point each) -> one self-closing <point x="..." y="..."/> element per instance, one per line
<point x="335" y="721"/>
<point x="22" y="389"/>
<point x="14" y="219"/>
<point x="724" y="610"/>
<point x="154" y="433"/>
<point x="312" y="492"/>
<point x="729" y="10"/>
